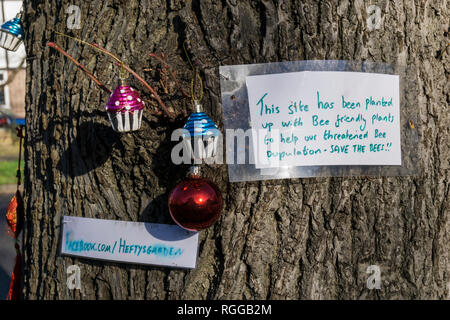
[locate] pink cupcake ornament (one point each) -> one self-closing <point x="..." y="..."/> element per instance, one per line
<point x="125" y="108"/>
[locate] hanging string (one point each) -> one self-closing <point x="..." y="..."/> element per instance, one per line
<point x="21" y="136"/>
<point x="196" y="77"/>
<point x="20" y="13"/>
<point x="123" y="74"/>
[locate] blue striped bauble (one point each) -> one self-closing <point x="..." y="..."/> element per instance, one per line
<point x="199" y="124"/>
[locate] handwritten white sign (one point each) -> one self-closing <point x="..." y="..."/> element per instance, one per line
<point x="325" y="118"/>
<point x="132" y="242"/>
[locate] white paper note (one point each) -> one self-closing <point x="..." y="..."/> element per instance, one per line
<point x="325" y="119"/>
<point x="132" y="242"/>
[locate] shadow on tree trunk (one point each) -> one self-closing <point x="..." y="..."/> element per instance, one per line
<point x="90" y="149"/>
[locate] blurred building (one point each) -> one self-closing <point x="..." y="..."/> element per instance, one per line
<point x="12" y="67"/>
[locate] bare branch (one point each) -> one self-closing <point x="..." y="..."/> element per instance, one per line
<point x="79" y="65"/>
<point x="171" y="72"/>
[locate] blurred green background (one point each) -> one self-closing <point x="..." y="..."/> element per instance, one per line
<point x="8" y="171"/>
<point x="9" y="152"/>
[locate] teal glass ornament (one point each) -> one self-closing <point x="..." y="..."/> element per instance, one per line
<point x="11" y="34"/>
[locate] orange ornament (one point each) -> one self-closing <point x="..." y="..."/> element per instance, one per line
<point x="14" y="215"/>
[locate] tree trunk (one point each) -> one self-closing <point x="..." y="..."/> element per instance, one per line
<point x="281" y="239"/>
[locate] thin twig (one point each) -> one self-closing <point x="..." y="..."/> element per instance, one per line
<point x="152" y="91"/>
<point x="442" y="52"/>
<point x="123" y="65"/>
<point x="171" y="72"/>
<point x="79" y="65"/>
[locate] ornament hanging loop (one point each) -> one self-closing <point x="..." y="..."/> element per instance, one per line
<point x="20" y="134"/>
<point x="123" y="74"/>
<point x="196" y="77"/>
<point x="193" y="81"/>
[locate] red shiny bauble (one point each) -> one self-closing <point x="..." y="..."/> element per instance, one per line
<point x="195" y="203"/>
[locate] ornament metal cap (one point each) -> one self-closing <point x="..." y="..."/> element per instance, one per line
<point x="198" y="106"/>
<point x="194" y="171"/>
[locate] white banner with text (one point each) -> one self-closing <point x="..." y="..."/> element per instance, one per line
<point x="131" y="242"/>
<point x="321" y="118"/>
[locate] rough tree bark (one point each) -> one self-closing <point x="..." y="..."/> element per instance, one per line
<point x="289" y="239"/>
